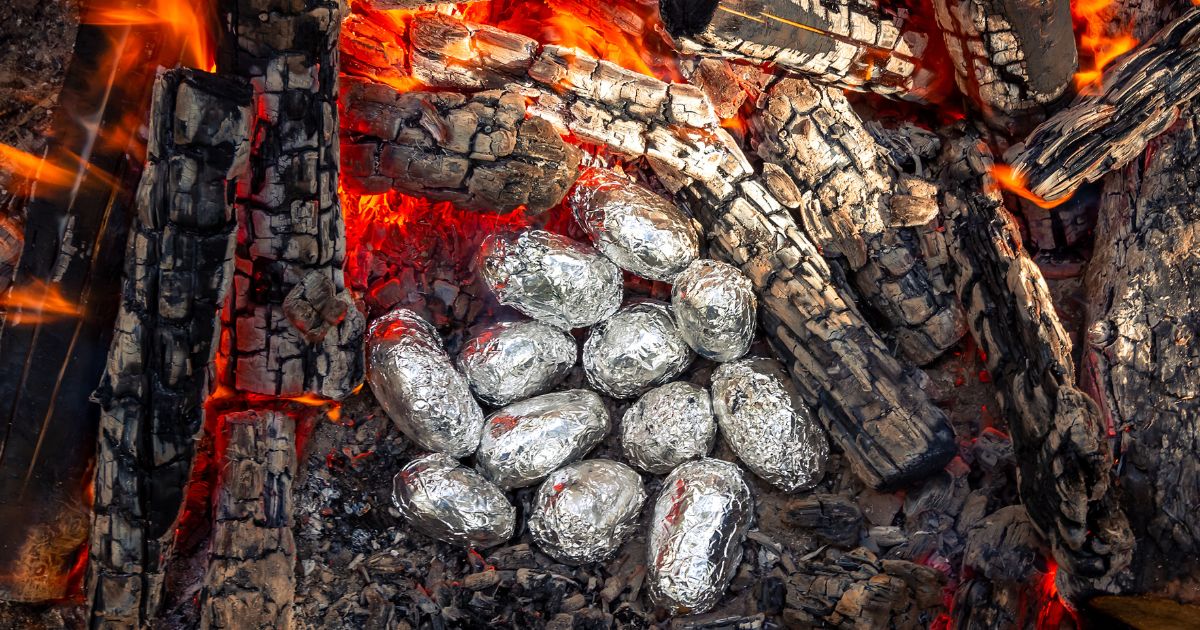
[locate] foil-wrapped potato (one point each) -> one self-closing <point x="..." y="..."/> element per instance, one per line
<point x="418" y="386"/>
<point x="637" y="348"/>
<point x="551" y="278"/>
<point x="767" y="425"/>
<point x="515" y="360"/>
<point x="639" y="230"/>
<point x="700" y="520"/>
<point x="716" y="309"/>
<point x="527" y="440"/>
<point x="585" y="511"/>
<point x="452" y="503"/>
<point x="668" y="426"/>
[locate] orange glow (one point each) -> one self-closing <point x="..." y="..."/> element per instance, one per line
<point x="183" y="20"/>
<point x="1099" y="45"/>
<point x="1012" y="181"/>
<point x="34" y="168"/>
<point x="37" y="303"/>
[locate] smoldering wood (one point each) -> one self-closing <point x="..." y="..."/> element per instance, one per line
<point x="1059" y="437"/>
<point x="726" y="84"/>
<point x="178" y="268"/>
<point x="288" y="207"/>
<point x="855" y="205"/>
<point x="1140" y="99"/>
<point x="480" y="152"/>
<point x="858" y="589"/>
<point x="251" y="577"/>
<point x="1011" y="57"/>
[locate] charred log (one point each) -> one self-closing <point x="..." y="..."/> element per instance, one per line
<point x="1005" y="559"/>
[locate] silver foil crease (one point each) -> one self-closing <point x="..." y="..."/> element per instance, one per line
<point x="525" y="441"/>
<point x="639" y="230"/>
<point x="551" y="278"/>
<point x="767" y="425"/>
<point x="452" y="503"/>
<point x="584" y="512"/>
<point x="716" y="309"/>
<point x="418" y="386"/>
<point x="637" y="348"/>
<point x="668" y="426"/>
<point x="515" y="360"/>
<point x="700" y="520"/>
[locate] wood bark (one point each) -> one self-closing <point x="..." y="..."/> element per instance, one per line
<point x="178" y="267"/>
<point x="292" y="241"/>
<point x="1139" y="100"/>
<point x="1059" y="437"/>
<point x="251" y="578"/>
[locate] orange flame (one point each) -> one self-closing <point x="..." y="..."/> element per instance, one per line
<point x="1098" y="45"/>
<point x="34" y="168"/>
<point x="1016" y="183"/>
<point x="185" y="20"/>
<point x="37" y="303"/>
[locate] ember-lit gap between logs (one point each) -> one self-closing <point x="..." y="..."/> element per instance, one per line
<point x="553" y="313"/>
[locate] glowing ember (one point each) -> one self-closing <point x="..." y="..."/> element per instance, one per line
<point x="183" y="20"/>
<point x="1099" y="45"/>
<point x="1016" y="183"/>
<point x="37" y="303"/>
<point x="34" y="168"/>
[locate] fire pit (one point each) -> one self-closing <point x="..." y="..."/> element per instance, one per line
<point x="548" y="313"/>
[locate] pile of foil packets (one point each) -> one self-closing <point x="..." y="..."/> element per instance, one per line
<point x="539" y="434"/>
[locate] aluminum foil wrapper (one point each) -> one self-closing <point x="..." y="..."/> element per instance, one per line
<point x="551" y="278"/>
<point x="637" y="348"/>
<point x="418" y="386"/>
<point x="767" y="425"/>
<point x="453" y="503"/>
<point x="515" y="360"/>
<point x="700" y="520"/>
<point x="639" y="230"/>
<point x="584" y="512"/>
<point x="716" y="309"/>
<point x="525" y="441"/>
<point x="668" y="426"/>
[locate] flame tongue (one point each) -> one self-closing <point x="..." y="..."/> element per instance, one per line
<point x="1099" y="45"/>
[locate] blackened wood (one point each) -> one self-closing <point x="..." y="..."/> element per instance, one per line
<point x="178" y="267"/>
<point x="292" y="230"/>
<point x="1009" y="583"/>
<point x="859" y="590"/>
<point x="251" y="578"/>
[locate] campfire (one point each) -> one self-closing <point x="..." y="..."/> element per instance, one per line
<point x="550" y="313"/>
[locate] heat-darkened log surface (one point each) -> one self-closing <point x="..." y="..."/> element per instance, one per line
<point x="178" y="267"/>
<point x="292" y="235"/>
<point x="860" y="590"/>
<point x="1005" y="558"/>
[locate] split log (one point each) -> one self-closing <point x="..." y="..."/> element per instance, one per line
<point x="482" y="153"/>
<point x="292" y="234"/>
<point x="1140" y="99"/>
<point x="1011" y="57"/>
<point x="1058" y="436"/>
<point x="851" y="45"/>
<point x="856" y="205"/>
<point x="251" y="578"/>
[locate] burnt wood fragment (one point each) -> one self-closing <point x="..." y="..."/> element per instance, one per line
<point x="1005" y="561"/>
<point x="858" y="590"/>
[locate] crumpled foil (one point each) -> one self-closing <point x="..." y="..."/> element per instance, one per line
<point x="700" y="519"/>
<point x="551" y="278"/>
<point x="525" y="441"/>
<point x="453" y="503"/>
<point x="637" y="348"/>
<point x="637" y="229"/>
<point x="584" y="512"/>
<point x="668" y="426"/>
<point x="767" y="425"/>
<point x="515" y="360"/>
<point x="417" y="385"/>
<point x="716" y="309"/>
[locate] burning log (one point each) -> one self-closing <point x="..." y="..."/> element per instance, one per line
<point x="482" y="153"/>
<point x="855" y="205"/>
<point x="280" y="342"/>
<point x="251" y="578"/>
<point x="1010" y="57"/>
<point x="1140" y="99"/>
<point x="1057" y="432"/>
<point x="178" y="267"/>
<point x="852" y="46"/>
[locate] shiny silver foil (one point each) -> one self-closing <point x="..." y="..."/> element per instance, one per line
<point x="525" y="441"/>
<point x="637" y="348"/>
<point x="551" y="278"/>
<point x="585" y="511"/>
<point x="716" y="309"/>
<point x="453" y="503"/>
<point x="639" y="230"/>
<point x="515" y="360"/>
<point x="700" y="519"/>
<point x="767" y="425"/>
<point x="668" y="426"/>
<point x="419" y="388"/>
